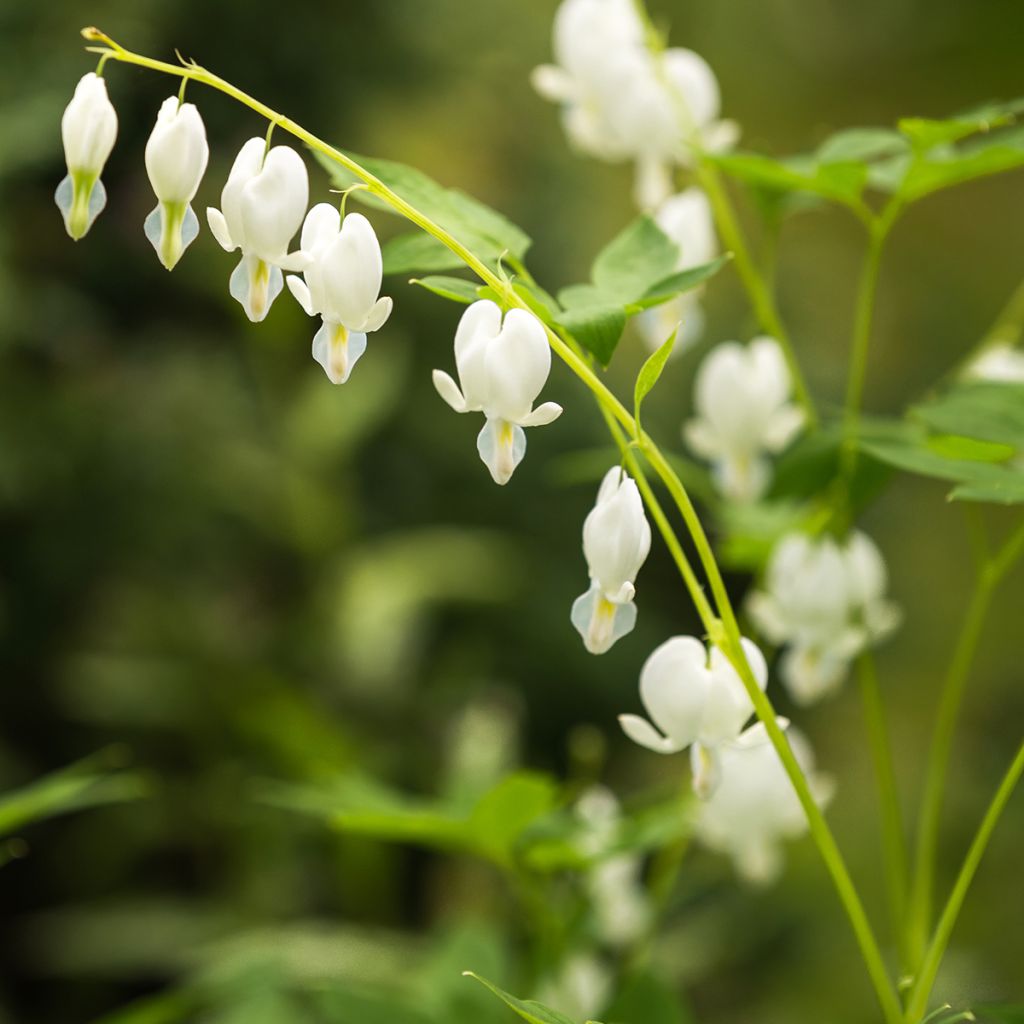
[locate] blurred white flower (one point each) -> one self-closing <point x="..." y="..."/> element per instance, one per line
<point x="998" y="363"/>
<point x="687" y="219"/>
<point x="621" y="101"/>
<point x="827" y="602"/>
<point x="176" y="158"/>
<point x="755" y="807"/>
<point x="341" y="285"/>
<point x="696" y="699"/>
<point x="88" y="129"/>
<point x="616" y="542"/>
<point x="262" y="207"/>
<point x="502" y="368"/>
<point x="744" y="414"/>
<point x="580" y="988"/>
<point x="618" y="899"/>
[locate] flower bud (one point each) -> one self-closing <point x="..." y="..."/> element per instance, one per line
<point x="88" y="130"/>
<point x="176" y="158"/>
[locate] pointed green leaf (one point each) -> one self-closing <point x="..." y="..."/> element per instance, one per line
<point x="634" y="261"/>
<point x="598" y="328"/>
<point x="650" y="372"/>
<point x="530" y="1010"/>
<point x="456" y="289"/>
<point x="680" y="282"/>
<point x="415" y="252"/>
<point x="985" y="410"/>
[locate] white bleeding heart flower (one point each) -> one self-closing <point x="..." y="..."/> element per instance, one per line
<point x="262" y="207"/>
<point x="826" y="600"/>
<point x="686" y="218"/>
<point x="755" y="806"/>
<point x="88" y="130"/>
<point x="341" y="285"/>
<point x="998" y="363"/>
<point x="616" y="542"/>
<point x="621" y="101"/>
<point x="696" y="699"/>
<point x="502" y="368"/>
<point x="176" y="157"/>
<point x="744" y="413"/>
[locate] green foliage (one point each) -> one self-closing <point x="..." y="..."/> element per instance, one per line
<point x="529" y="1009"/>
<point x="972" y="435"/>
<point x="416" y="251"/>
<point x="651" y="371"/>
<point x="1003" y="1013"/>
<point x="644" y="998"/>
<point x="477" y="226"/>
<point x="89" y="783"/>
<point x="455" y="289"/>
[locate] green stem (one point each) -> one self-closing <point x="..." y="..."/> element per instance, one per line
<point x="893" y="842"/>
<point x="921" y="991"/>
<point x="919" y="909"/>
<point x="760" y="294"/>
<point x="725" y="632"/>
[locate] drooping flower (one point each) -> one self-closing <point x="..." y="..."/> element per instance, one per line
<point x="621" y="101"/>
<point x="696" y="699"/>
<point x="687" y="220"/>
<point x="579" y="986"/>
<point x="755" y="807"/>
<point x="998" y="363"/>
<point x="502" y="368"/>
<point x="616" y="542"/>
<point x="176" y="158"/>
<point x="744" y="414"/>
<point x="827" y="602"/>
<point x="88" y="129"/>
<point x="262" y="207"/>
<point x="342" y="286"/>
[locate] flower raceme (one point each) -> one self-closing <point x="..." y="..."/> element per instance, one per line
<point x="696" y="699"/>
<point x="502" y="367"/>
<point x="744" y="413"/>
<point x="616" y="542"/>
<point x="827" y="602"/>
<point x="262" y="207"/>
<point x="755" y="806"/>
<point x="622" y="101"/>
<point x="341" y="285"/>
<point x="88" y="129"/>
<point x="686" y="218"/>
<point x="176" y="158"/>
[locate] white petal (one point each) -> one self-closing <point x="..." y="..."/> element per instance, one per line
<point x="378" y="314"/>
<point x="296" y="262"/>
<point x="246" y="166"/>
<point x="517" y="364"/>
<point x="273" y="204"/>
<point x="298" y="288"/>
<point x="695" y="82"/>
<point x="320" y="228"/>
<point x="639" y="730"/>
<point x="219" y="229"/>
<point x="674" y="688"/>
<point x="501" y="445"/>
<point x="601" y="622"/>
<point x="479" y="325"/>
<point x="544" y="414"/>
<point x="706" y="765"/>
<point x="449" y="390"/>
<point x="337" y="350"/>
<point x="353" y="269"/>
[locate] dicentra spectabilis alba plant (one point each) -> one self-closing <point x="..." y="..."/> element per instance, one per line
<point x="826" y="602"/>
<point x="616" y="542"/>
<point x="503" y="363"/>
<point x="262" y="206"/>
<point x="744" y="414"/>
<point x="88" y="129"/>
<point x="176" y="158"/>
<point x="626" y="97"/>
<point x="341" y="285"/>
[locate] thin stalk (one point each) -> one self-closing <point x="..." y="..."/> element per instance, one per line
<point x="725" y="631"/>
<point x="894" y="847"/>
<point x="919" y="909"/>
<point x="758" y="290"/>
<point x="921" y="991"/>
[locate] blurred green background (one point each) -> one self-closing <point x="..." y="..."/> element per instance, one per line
<point x="229" y="571"/>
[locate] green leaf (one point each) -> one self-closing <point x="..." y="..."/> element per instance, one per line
<point x="1009" y="490"/>
<point x="88" y="783"/>
<point x="481" y="229"/>
<point x="506" y="811"/>
<point x="984" y="410"/>
<point x="651" y="371"/>
<point x="839" y="182"/>
<point x="457" y="289"/>
<point x="952" y="446"/>
<point x="942" y="168"/>
<point x="415" y="252"/>
<point x="861" y="145"/>
<point x="634" y="261"/>
<point x="597" y="328"/>
<point x="926" y="133"/>
<point x="679" y="282"/>
<point x="1001" y="1013"/>
<point x="530" y="1010"/>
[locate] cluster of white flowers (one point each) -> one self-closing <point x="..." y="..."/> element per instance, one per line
<point x="1003" y="363"/>
<point x="262" y="207"/>
<point x="826" y="601"/>
<point x="623" y="100"/>
<point x="744" y="414"/>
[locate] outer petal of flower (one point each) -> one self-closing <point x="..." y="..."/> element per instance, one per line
<point x="517" y="364"/>
<point x="728" y="705"/>
<point x="353" y="271"/>
<point x="177" y="152"/>
<point x="320" y="228"/>
<point x="674" y="688"/>
<point x="246" y="166"/>
<point x="502" y="445"/>
<point x="639" y="730"/>
<point x="479" y="325"/>
<point x="219" y="229"/>
<point x="273" y="204"/>
<point x="544" y="414"/>
<point x="695" y="82"/>
<point x="449" y="390"/>
<point x="299" y="289"/>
